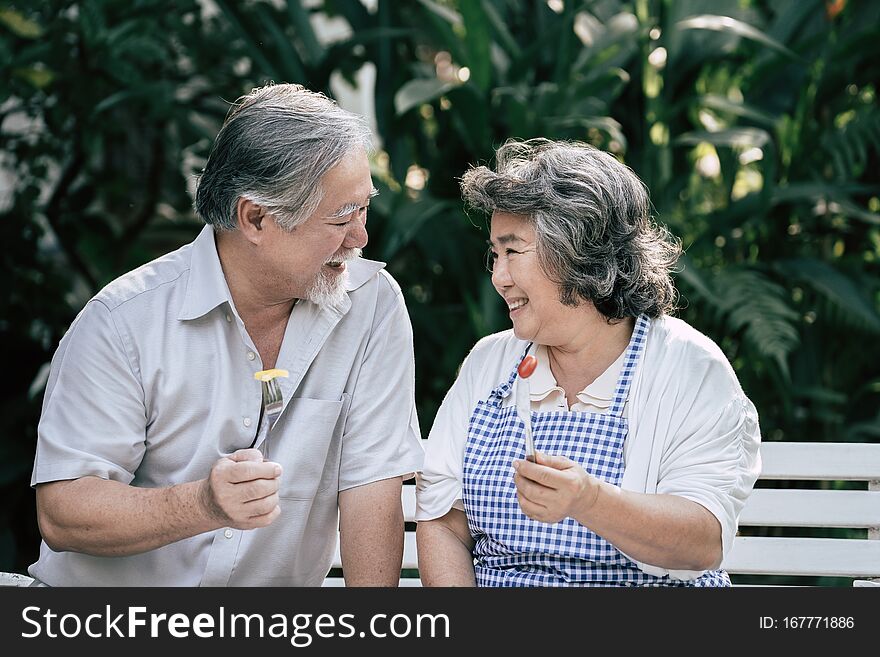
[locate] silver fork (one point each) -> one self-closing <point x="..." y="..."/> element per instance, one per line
<point x="272" y="401"/>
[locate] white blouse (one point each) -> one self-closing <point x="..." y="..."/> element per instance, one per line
<point x="692" y="430"/>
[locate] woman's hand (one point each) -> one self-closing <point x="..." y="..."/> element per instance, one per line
<point x="554" y="488"/>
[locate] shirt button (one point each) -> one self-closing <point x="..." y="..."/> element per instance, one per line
<point x="228" y="317"/>
<point x="246" y="422"/>
<point x="251" y="355"/>
<point x="228" y="533"/>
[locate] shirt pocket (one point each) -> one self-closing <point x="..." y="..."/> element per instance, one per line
<point x="306" y="441"/>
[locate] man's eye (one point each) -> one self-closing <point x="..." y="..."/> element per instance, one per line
<point x="511" y="252"/>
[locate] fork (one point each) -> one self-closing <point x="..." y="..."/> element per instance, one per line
<point x="272" y="401"/>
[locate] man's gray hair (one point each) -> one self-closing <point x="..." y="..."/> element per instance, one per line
<point x="592" y="218"/>
<point x="273" y="149"/>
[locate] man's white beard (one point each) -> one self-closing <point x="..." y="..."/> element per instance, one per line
<point x="329" y="289"/>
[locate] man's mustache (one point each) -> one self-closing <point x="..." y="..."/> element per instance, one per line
<point x="349" y="254"/>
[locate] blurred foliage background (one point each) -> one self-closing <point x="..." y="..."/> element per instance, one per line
<point x="754" y="123"/>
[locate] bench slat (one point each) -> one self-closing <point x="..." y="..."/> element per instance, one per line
<point x="837" y="557"/>
<point x="811" y="508"/>
<point x="408" y="498"/>
<point x="822" y="461"/>
<point x="410" y="556"/>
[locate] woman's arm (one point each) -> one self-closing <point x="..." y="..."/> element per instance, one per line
<point x="662" y="530"/>
<point x="445" y="551"/>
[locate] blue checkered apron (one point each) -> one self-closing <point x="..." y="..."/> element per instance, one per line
<point x="513" y="550"/>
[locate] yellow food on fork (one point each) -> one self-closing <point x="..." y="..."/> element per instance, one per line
<point x="268" y="375"/>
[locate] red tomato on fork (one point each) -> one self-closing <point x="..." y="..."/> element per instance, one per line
<point x="527" y="366"/>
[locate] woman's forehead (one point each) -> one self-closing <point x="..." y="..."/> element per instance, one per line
<point x="507" y="227"/>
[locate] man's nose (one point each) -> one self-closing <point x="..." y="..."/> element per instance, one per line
<point x="357" y="234"/>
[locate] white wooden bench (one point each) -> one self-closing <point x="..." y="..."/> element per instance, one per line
<point x="832" y="489"/>
<point x="835" y="491"/>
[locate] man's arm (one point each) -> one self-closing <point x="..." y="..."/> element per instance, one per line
<point x="107" y="518"/>
<point x="446" y="551"/>
<point x="371" y="533"/>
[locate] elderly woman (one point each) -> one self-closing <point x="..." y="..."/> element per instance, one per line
<point x="646" y="445"/>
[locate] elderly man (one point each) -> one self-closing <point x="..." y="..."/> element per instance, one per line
<point x="156" y="463"/>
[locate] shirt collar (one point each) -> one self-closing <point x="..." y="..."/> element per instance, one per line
<point x="360" y="270"/>
<point x="542" y="382"/>
<point x="206" y="288"/>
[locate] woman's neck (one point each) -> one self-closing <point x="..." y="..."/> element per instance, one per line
<point x="577" y="362"/>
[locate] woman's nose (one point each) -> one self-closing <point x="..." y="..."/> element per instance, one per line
<point x="501" y="274"/>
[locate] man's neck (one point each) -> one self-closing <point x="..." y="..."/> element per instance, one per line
<point x="255" y="298"/>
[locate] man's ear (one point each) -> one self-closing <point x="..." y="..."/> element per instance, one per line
<point x="251" y="219"/>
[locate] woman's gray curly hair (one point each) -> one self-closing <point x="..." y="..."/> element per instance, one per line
<point x="591" y="214"/>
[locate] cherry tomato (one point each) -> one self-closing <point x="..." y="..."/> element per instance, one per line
<point x="527" y="366"/>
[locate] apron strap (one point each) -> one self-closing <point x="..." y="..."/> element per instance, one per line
<point x="630" y="361"/>
<point x="503" y="389"/>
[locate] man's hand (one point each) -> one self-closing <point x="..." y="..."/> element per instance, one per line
<point x="553" y="488"/>
<point x="242" y="490"/>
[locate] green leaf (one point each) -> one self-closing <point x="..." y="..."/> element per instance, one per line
<point x="482" y="307"/>
<point x="448" y="15"/>
<point x="38" y="385"/>
<point x="299" y="16"/>
<point x="613" y="43"/>
<point x="737" y="27"/>
<point x="720" y="103"/>
<point x="294" y="71"/>
<point x="606" y="124"/>
<point x="471" y="117"/>
<point x="92" y="22"/>
<point x="477" y="40"/>
<point x="693" y="277"/>
<point x="420" y="91"/>
<point x="836" y="197"/>
<point x="156" y="89"/>
<point x="852" y="308"/>
<point x="447" y="25"/>
<point x="406" y="221"/>
<point x="757" y="308"/>
<point x="19" y="25"/>
<point x="38" y="77"/>
<point x="814" y="191"/>
<point x="254" y="48"/>
<point x="505" y="39"/>
<point x="734" y="137"/>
